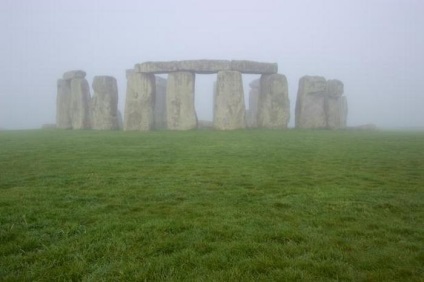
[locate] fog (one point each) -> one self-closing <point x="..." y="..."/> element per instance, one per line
<point x="375" y="47"/>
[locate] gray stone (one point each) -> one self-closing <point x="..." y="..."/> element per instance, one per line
<point x="310" y="103"/>
<point x="344" y="112"/>
<point x="254" y="67"/>
<point x="160" y="103"/>
<point x="80" y="103"/>
<point x="120" y="121"/>
<point x="196" y="66"/>
<point x="335" y="88"/>
<point x="229" y="107"/>
<point x="273" y="102"/>
<point x="63" y="104"/>
<point x="181" y="113"/>
<point x="252" y="112"/>
<point x="139" y="102"/>
<point x="204" y="66"/>
<point x="104" y="103"/>
<point x="74" y="74"/>
<point x="156" y="67"/>
<point x="336" y="105"/>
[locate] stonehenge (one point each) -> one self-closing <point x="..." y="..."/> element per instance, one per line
<point x="273" y="109"/>
<point x="320" y="104"/>
<point x="139" y="101"/>
<point x="73" y="101"/>
<point x="154" y="102"/>
<point x="207" y="67"/>
<point x="181" y="114"/>
<point x="160" y="119"/>
<point x="253" y="103"/>
<point x="229" y="110"/>
<point x="104" y="103"/>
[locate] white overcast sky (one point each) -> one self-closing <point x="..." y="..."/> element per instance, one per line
<point x="376" y="47"/>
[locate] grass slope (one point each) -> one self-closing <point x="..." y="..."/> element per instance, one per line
<point x="210" y="205"/>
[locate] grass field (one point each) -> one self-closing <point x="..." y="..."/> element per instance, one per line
<point x="210" y="205"/>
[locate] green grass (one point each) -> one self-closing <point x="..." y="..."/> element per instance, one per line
<point x="210" y="205"/>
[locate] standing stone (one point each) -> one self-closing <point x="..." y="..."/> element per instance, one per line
<point x="80" y="103"/>
<point x="273" y="103"/>
<point x="344" y="112"/>
<point x="63" y="102"/>
<point x="181" y="113"/>
<point x="310" y="103"/>
<point x="120" y="121"/>
<point x="160" y="103"/>
<point x="104" y="104"/>
<point x="139" y="102"/>
<point x="335" y="105"/>
<point x="229" y="108"/>
<point x="252" y="112"/>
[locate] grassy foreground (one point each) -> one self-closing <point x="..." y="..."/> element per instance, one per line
<point x="208" y="205"/>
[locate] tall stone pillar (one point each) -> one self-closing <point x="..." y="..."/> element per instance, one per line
<point x="273" y="102"/>
<point x="343" y="118"/>
<point x="252" y="112"/>
<point x="229" y="107"/>
<point x="80" y="103"/>
<point x="139" y="101"/>
<point x="310" y="103"/>
<point x="73" y="101"/>
<point x="104" y="103"/>
<point x="160" y="103"/>
<point x="336" y="105"/>
<point x="63" y="102"/>
<point x="181" y="113"/>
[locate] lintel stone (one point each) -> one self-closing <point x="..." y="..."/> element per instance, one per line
<point x="207" y="67"/>
<point x="252" y="67"/>
<point x="157" y="67"/>
<point x="74" y="74"/>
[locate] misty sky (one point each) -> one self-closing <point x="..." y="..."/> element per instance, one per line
<point x="376" y="47"/>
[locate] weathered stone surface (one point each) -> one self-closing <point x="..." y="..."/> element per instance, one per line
<point x="336" y="105"/>
<point x="273" y="102"/>
<point x="254" y="67"/>
<point x="229" y="107"/>
<point x="139" y="102"/>
<point x="344" y="112"/>
<point x="74" y="74"/>
<point x="196" y="66"/>
<point x="252" y="112"/>
<point x="320" y="103"/>
<point x="335" y="88"/>
<point x="104" y="103"/>
<point x="207" y="66"/>
<point x="310" y="103"/>
<point x="160" y="103"/>
<point x="157" y="67"/>
<point x="204" y="66"/>
<point x="181" y="113"/>
<point x="80" y="103"/>
<point x="63" y="104"/>
<point x="120" y="121"/>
